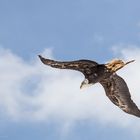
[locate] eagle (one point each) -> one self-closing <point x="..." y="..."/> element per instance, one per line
<point x="115" y="87"/>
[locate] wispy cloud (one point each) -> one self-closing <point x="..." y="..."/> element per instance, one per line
<point x="31" y="91"/>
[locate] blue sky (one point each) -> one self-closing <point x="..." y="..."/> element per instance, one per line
<point x="66" y="30"/>
<point x="68" y="26"/>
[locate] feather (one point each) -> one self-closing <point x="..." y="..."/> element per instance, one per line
<point x="87" y="67"/>
<point x="115" y="87"/>
<point x="117" y="91"/>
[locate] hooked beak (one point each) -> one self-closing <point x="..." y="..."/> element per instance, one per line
<point x="82" y="86"/>
<point x="85" y="83"/>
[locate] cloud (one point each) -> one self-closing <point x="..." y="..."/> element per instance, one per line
<point x="31" y="91"/>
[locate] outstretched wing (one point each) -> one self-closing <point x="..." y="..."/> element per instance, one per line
<point x="87" y="67"/>
<point x="117" y="91"/>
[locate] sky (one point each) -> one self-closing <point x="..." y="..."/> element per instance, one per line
<point x="41" y="103"/>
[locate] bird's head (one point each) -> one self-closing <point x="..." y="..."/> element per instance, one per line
<point x="89" y="82"/>
<point x="95" y="77"/>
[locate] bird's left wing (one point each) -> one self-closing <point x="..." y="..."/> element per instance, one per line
<point x="84" y="66"/>
<point x="117" y="91"/>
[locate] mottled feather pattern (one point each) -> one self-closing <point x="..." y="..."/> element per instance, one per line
<point x="84" y="66"/>
<point x="118" y="92"/>
<point x="115" y="87"/>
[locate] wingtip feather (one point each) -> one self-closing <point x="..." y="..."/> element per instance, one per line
<point x="129" y="62"/>
<point x="39" y="56"/>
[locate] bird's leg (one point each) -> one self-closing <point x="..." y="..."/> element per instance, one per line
<point x="115" y="65"/>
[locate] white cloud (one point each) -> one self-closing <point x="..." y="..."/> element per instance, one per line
<point x="31" y="91"/>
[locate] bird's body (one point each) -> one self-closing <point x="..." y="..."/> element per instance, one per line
<point x="115" y="87"/>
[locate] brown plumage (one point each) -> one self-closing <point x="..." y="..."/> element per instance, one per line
<point x="115" y="87"/>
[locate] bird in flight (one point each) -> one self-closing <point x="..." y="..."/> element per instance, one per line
<point x="115" y="87"/>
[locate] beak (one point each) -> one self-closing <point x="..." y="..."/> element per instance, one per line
<point x="84" y="83"/>
<point x="82" y="86"/>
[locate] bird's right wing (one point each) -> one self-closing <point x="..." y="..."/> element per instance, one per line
<point x="117" y="91"/>
<point x="87" y="67"/>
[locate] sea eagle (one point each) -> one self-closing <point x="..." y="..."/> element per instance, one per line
<point x="115" y="87"/>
